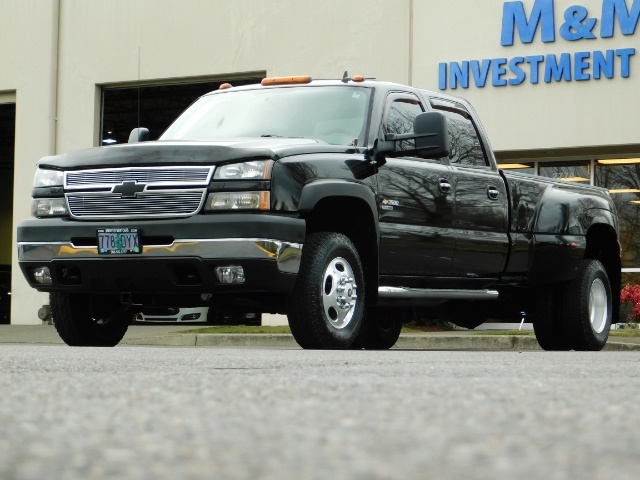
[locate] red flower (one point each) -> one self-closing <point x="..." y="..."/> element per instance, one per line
<point x="631" y="294"/>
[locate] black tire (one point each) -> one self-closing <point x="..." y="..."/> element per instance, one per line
<point x="381" y="328"/>
<point x="319" y="313"/>
<point x="587" y="307"/>
<point x="89" y="321"/>
<point x="544" y="313"/>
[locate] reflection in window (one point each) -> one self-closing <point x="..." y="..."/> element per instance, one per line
<point x="623" y="181"/>
<point x="575" y="171"/>
<point x="464" y="142"/>
<point x="400" y="119"/>
<point x="528" y="168"/>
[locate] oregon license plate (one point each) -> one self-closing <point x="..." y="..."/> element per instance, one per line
<point x="118" y="241"/>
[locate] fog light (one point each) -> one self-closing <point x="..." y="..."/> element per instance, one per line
<point x="49" y="207"/>
<point x="42" y="275"/>
<point x="230" y="274"/>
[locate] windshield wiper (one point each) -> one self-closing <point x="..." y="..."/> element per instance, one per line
<point x="268" y="135"/>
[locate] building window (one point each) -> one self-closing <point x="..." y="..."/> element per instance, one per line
<point x="622" y="178"/>
<point x="528" y="167"/>
<point x="152" y="106"/>
<point x="573" y="171"/>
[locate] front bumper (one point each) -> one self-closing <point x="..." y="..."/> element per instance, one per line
<point x="178" y="255"/>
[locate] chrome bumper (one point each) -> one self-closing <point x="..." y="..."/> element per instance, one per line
<point x="286" y="254"/>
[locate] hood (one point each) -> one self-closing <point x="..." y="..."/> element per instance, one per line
<point x="188" y="153"/>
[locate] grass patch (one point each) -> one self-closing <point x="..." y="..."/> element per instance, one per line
<point x="238" y="329"/>
<point x="625" y="332"/>
<point x="504" y="332"/>
<point x="284" y="329"/>
<point x="410" y="328"/>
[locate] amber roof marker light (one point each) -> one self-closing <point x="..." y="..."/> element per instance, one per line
<point x="355" y="78"/>
<point x="285" y="80"/>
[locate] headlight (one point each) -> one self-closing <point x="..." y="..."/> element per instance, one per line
<point x="243" y="171"/>
<point x="238" y="201"/>
<point x="48" y="178"/>
<point x="49" y="207"/>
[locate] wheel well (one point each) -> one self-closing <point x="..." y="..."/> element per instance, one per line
<point x="602" y="245"/>
<point x="351" y="217"/>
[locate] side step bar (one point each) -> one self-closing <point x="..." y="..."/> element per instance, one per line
<point x="436" y="294"/>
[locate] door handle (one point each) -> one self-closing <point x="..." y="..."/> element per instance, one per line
<point x="445" y="186"/>
<point x="492" y="193"/>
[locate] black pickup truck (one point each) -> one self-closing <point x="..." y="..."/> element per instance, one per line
<point x="346" y="204"/>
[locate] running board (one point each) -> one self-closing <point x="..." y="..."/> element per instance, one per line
<point x="436" y="294"/>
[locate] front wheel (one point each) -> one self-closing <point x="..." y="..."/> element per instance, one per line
<point x="89" y="321"/>
<point x="587" y="307"/>
<point x="328" y="301"/>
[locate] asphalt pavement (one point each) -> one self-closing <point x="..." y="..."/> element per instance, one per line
<point x="149" y="413"/>
<point x="170" y="335"/>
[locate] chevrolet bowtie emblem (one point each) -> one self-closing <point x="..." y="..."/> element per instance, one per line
<point x="129" y="189"/>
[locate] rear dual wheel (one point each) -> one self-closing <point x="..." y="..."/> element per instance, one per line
<point x="578" y="315"/>
<point x="587" y="307"/>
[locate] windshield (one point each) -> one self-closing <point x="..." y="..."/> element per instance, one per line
<point x="335" y="115"/>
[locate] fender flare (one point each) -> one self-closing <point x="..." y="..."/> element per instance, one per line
<point x="314" y="192"/>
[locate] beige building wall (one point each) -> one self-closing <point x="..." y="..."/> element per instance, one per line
<point x="55" y="56"/>
<point x="162" y="40"/>
<point x="159" y="41"/>
<point x="523" y="117"/>
<point x="28" y="32"/>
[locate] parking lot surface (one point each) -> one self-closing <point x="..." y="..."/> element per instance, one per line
<point x="284" y="413"/>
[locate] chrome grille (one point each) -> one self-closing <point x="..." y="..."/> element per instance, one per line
<point x="152" y="176"/>
<point x="174" y="203"/>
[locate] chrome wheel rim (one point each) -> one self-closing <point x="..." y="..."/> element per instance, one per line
<point x="598" y="306"/>
<point x="339" y="293"/>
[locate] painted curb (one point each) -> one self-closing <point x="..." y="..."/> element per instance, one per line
<point x="407" y="342"/>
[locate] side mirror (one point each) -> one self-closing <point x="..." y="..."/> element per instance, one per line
<point x="139" y="135"/>
<point x="431" y="134"/>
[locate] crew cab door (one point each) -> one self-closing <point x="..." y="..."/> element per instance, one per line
<point x="480" y="201"/>
<point x="416" y="223"/>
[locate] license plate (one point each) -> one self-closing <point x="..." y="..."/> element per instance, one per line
<point x="118" y="241"/>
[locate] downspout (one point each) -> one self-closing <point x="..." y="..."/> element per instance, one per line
<point x="44" y="313"/>
<point x="54" y="77"/>
<point x="410" y="43"/>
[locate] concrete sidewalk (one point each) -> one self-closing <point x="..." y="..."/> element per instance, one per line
<point x="168" y="335"/>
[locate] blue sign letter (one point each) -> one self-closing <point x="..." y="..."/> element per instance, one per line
<point x="603" y="64"/>
<point x="514" y="17"/>
<point x="442" y="82"/>
<point x="480" y="72"/>
<point x="628" y="20"/>
<point x="557" y="71"/>
<point x="498" y="70"/>
<point x="625" y="57"/>
<point x="581" y="64"/>
<point x="535" y="61"/>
